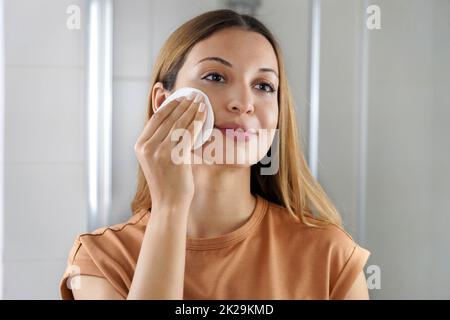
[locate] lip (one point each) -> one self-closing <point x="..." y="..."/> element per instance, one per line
<point x="237" y="132"/>
<point x="236" y="128"/>
<point x="231" y="125"/>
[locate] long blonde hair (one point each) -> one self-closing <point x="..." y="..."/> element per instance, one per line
<point x="293" y="186"/>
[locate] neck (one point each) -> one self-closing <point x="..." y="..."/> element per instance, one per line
<point x="222" y="201"/>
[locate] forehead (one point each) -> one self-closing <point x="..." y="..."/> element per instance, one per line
<point x="244" y="49"/>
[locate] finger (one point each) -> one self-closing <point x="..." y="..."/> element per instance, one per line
<point x="180" y="127"/>
<point x="179" y="118"/>
<point x="194" y="129"/>
<point x="155" y="121"/>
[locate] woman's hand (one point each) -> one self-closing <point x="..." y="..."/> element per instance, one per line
<point x="170" y="184"/>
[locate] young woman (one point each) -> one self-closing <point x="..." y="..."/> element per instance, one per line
<point x="221" y="231"/>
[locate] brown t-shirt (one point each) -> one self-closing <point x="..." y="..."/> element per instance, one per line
<point x="270" y="256"/>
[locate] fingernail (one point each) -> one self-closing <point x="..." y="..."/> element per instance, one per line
<point x="179" y="99"/>
<point x="191" y="96"/>
<point x="198" y="97"/>
<point x="202" y="107"/>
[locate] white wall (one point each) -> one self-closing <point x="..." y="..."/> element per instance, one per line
<point x="2" y="141"/>
<point x="44" y="149"/>
<point x="340" y="85"/>
<point x="407" y="209"/>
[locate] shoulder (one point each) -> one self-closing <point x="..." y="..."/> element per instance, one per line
<point x="134" y="223"/>
<point x="328" y="249"/>
<point x="108" y="238"/>
<point x="323" y="234"/>
<point x="111" y="242"/>
<point x="107" y="252"/>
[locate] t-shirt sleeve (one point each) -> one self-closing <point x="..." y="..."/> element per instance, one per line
<point x="348" y="261"/>
<point x="108" y="253"/>
<point x="79" y="262"/>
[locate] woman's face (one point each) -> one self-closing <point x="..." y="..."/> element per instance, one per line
<point x="241" y="82"/>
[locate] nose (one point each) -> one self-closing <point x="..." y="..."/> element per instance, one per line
<point x="242" y="103"/>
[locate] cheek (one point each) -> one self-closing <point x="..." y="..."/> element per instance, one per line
<point x="218" y="101"/>
<point x="268" y="118"/>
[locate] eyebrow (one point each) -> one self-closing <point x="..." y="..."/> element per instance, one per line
<point x="228" y="64"/>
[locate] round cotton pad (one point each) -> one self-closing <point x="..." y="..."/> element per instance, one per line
<point x="208" y="125"/>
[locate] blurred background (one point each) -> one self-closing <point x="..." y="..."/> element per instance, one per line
<point x="371" y="83"/>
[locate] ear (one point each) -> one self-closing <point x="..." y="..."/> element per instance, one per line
<point x="159" y="94"/>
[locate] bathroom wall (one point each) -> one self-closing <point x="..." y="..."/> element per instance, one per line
<point x="340" y="86"/>
<point x="2" y="141"/>
<point x="45" y="195"/>
<point x="404" y="183"/>
<point x="408" y="177"/>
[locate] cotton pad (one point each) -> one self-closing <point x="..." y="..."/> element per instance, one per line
<point x="208" y="125"/>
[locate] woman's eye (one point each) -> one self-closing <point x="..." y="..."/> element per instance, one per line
<point x="213" y="77"/>
<point x="219" y="78"/>
<point x="271" y="89"/>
